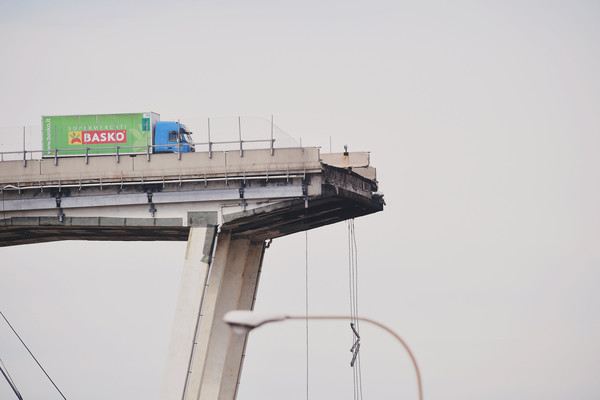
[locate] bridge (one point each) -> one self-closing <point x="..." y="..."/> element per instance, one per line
<point x="226" y="204"/>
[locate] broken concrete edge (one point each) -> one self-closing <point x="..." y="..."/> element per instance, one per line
<point x="366" y="172"/>
<point x="327" y="191"/>
<point x="350" y="171"/>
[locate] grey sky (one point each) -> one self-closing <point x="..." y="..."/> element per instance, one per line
<point x="482" y="119"/>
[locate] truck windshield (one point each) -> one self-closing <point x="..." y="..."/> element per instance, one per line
<point x="185" y="136"/>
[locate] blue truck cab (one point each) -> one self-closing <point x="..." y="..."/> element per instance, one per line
<point x="172" y="137"/>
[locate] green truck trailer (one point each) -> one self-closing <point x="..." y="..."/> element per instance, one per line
<point x="78" y="135"/>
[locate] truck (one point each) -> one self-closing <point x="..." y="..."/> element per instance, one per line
<point x="103" y="134"/>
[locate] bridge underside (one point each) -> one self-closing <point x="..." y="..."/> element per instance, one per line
<point x="262" y="223"/>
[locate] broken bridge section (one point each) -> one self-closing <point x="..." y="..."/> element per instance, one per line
<point x="224" y="204"/>
<point x="140" y="199"/>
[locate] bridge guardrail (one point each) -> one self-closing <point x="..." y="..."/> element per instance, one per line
<point x="16" y="142"/>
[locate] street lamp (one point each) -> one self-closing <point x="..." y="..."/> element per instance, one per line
<point x="243" y="321"/>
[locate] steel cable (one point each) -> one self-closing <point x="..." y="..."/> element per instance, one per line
<point x="35" y="359"/>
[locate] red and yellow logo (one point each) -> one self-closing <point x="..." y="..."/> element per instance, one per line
<point x="75" y="137"/>
<point x="97" y="137"/>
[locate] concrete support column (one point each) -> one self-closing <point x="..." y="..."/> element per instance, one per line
<point x="205" y="357"/>
<point x="193" y="281"/>
<point x="231" y="285"/>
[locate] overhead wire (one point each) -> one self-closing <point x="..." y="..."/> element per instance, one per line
<point x="30" y="353"/>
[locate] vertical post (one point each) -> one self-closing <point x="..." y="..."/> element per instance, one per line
<point x="116" y="140"/>
<point x="272" y="141"/>
<point x="209" y="142"/>
<point x="24" y="151"/>
<point x="86" y="148"/>
<point x="44" y="149"/>
<point x="55" y="148"/>
<point x="240" y="133"/>
<point x="147" y="140"/>
<point x="178" y="140"/>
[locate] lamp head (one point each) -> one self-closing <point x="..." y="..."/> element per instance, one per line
<point x="242" y="321"/>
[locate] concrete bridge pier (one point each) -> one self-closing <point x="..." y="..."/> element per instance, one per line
<point x="205" y="356"/>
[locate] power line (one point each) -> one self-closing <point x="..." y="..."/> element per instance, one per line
<point x="38" y="363"/>
<point x="9" y="379"/>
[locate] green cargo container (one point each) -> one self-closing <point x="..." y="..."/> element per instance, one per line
<point x="73" y="135"/>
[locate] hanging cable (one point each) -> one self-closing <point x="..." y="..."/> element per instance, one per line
<point x="35" y="359"/>
<point x="360" y="389"/>
<point x="354" y="324"/>
<point x="306" y="289"/>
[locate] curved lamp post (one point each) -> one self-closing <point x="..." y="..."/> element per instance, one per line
<point x="243" y="321"/>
